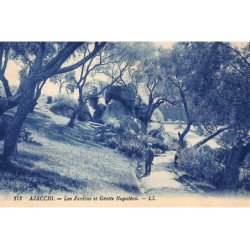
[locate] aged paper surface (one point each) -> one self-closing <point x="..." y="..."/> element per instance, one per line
<point x="131" y="124"/>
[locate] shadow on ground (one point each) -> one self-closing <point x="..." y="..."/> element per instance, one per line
<point x="127" y="188"/>
<point x="29" y="179"/>
<point x="196" y="185"/>
<point x="60" y="132"/>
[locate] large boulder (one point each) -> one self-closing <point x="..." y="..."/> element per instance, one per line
<point x="131" y="123"/>
<point x="120" y="94"/>
<point x="156" y="130"/>
<point x="115" y="110"/>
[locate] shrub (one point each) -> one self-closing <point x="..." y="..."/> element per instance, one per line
<point x="64" y="106"/>
<point x="49" y="99"/>
<point x="127" y="141"/>
<point x="132" y="145"/>
<point x="112" y="142"/>
<point x="202" y="164"/>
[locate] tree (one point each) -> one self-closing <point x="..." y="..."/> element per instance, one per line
<point x="44" y="60"/>
<point x="64" y="81"/>
<point x="109" y="62"/>
<point x="213" y="84"/>
<point x="193" y="70"/>
<point x="37" y="94"/>
<point x="4" y="58"/>
<point x="144" y="75"/>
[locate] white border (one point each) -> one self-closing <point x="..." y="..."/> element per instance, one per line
<point x="154" y="20"/>
<point x="124" y="228"/>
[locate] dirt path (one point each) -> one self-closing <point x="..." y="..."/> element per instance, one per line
<point x="162" y="179"/>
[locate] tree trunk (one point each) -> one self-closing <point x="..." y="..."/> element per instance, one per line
<point x="74" y="114"/>
<point x="34" y="102"/>
<point x="197" y="145"/>
<point x="13" y="130"/>
<point x="6" y="86"/>
<point x="37" y="95"/>
<point x="232" y="169"/>
<point x="233" y="163"/>
<point x="7" y="103"/>
<point x="183" y="134"/>
<point x="78" y="108"/>
<point x="33" y="105"/>
<point x="188" y="119"/>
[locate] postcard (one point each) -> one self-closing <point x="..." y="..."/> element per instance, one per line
<point x="124" y="124"/>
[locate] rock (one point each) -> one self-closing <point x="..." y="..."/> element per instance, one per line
<point x="157" y="131"/>
<point x="100" y="109"/>
<point x="120" y="94"/>
<point x="134" y="124"/>
<point x="157" y="116"/>
<point x="93" y="102"/>
<point x="115" y="110"/>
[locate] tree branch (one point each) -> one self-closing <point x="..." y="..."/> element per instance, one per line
<point x="197" y="145"/>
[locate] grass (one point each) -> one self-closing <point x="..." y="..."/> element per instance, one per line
<point x="65" y="159"/>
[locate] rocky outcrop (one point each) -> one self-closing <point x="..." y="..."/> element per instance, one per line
<point x="133" y="124"/>
<point x="115" y="110"/>
<point x="120" y="94"/>
<point x="156" y="130"/>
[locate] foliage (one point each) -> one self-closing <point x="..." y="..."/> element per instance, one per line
<point x="64" y="106"/>
<point x="203" y="164"/>
<point x="132" y="145"/>
<point x="65" y="81"/>
<point x="210" y="82"/>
